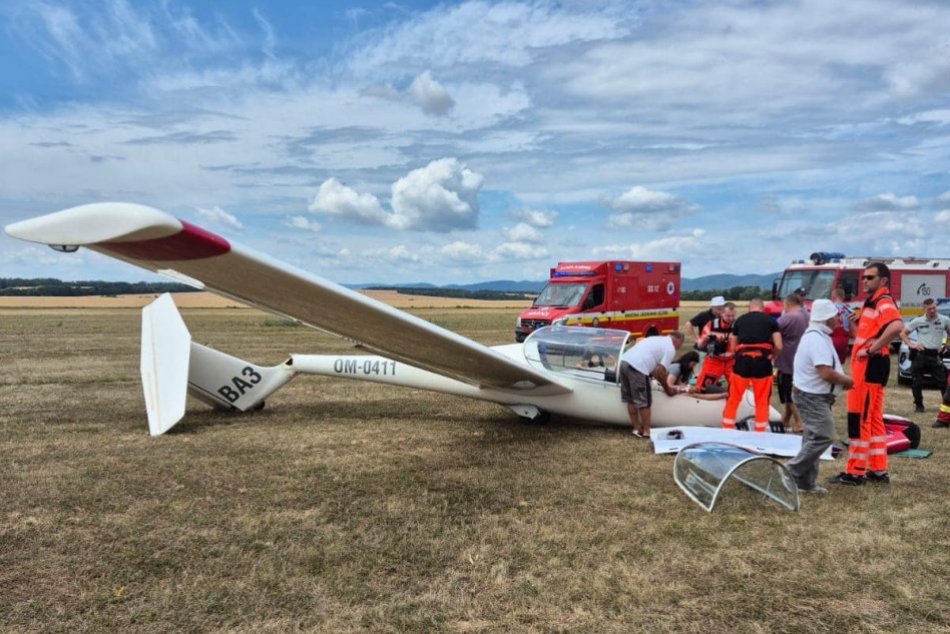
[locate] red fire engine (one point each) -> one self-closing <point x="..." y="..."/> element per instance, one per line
<point x="641" y="297"/>
<point x="912" y="280"/>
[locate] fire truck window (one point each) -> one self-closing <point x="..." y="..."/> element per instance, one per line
<point x="848" y="280"/>
<point x="820" y="286"/>
<point x="595" y="298"/>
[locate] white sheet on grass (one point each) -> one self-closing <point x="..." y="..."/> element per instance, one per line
<point x="673" y="439"/>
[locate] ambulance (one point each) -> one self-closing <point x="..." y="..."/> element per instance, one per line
<point x="912" y="280"/>
<point x="640" y="297"/>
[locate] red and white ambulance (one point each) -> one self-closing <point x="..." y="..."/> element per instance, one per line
<point x="912" y="280"/>
<point x="640" y="297"/>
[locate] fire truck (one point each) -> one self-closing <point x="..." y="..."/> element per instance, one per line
<point x="640" y="297"/>
<point x="912" y="280"/>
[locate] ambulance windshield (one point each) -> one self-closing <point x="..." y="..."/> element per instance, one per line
<point x="561" y="295"/>
<point x="592" y="353"/>
<point x="817" y="284"/>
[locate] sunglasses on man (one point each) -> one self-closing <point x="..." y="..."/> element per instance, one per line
<point x="869" y="277"/>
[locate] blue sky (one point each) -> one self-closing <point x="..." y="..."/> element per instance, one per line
<point x="466" y="141"/>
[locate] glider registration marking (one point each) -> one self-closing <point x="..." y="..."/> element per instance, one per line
<point x="379" y="367"/>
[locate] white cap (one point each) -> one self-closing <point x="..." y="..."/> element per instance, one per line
<point x="717" y="302"/>
<point x="823" y="310"/>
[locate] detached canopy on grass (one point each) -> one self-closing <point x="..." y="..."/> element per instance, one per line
<point x="702" y="470"/>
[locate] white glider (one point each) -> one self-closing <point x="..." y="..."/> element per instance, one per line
<point x="540" y="377"/>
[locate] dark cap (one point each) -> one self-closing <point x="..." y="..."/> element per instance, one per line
<point x="928" y="301"/>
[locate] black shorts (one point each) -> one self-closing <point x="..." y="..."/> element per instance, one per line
<point x="635" y="388"/>
<point x="784" y="387"/>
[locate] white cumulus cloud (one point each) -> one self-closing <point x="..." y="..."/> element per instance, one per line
<point x="336" y="199"/>
<point x="523" y="232"/>
<point x="535" y="217"/>
<point x="440" y="197"/>
<point x="304" y="223"/>
<point x="518" y="251"/>
<point x="430" y="95"/>
<point x="943" y="217"/>
<point x="648" y="209"/>
<point x="888" y="202"/>
<point x="218" y="216"/>
<point x="675" y="247"/>
<point x="459" y="251"/>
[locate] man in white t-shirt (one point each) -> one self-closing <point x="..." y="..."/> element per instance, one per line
<point x="817" y="379"/>
<point x="648" y="357"/>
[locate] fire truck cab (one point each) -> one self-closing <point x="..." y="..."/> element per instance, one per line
<point x="912" y="280"/>
<point x="639" y="297"/>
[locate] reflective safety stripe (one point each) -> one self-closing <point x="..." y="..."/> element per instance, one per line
<point x="878" y="452"/>
<point x="759" y="427"/>
<point x="875" y="439"/>
<point x="854" y="442"/>
<point x="945" y="409"/>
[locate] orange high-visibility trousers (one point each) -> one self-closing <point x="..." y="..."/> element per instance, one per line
<point x="867" y="437"/>
<point x="714" y="368"/>
<point x="761" y="390"/>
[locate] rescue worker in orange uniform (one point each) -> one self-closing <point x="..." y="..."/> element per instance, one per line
<point x="755" y="339"/>
<point x="714" y="339"/>
<point x="877" y="325"/>
<point x="943" y="413"/>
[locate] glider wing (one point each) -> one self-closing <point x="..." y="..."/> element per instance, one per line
<point x="159" y="242"/>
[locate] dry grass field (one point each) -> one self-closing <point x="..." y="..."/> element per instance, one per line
<point x="345" y="506"/>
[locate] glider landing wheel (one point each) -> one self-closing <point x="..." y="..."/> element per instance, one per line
<point x="259" y="406"/>
<point x="542" y="418"/>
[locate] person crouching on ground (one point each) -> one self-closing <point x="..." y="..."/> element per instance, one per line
<point x="648" y="357"/>
<point x="818" y="377"/>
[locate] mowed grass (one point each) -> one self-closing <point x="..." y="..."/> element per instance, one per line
<point x="346" y="506"/>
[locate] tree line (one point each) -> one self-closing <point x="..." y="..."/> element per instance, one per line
<point x="733" y="293"/>
<point x="51" y="287"/>
<point x="458" y="293"/>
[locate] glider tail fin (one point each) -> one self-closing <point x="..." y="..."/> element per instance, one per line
<point x="173" y="366"/>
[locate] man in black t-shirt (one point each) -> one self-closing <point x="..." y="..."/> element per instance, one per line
<point x="694" y="327"/>
<point x="755" y="339"/>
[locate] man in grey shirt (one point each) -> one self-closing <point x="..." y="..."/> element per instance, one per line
<point x="792" y="325"/>
<point x="931" y="327"/>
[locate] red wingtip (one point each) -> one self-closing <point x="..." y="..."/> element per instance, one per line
<point x="192" y="243"/>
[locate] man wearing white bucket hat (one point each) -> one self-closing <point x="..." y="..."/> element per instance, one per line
<point x="817" y="379"/>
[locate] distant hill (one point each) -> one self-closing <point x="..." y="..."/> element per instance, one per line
<point x="705" y="283"/>
<point x="501" y="289"/>
<point x="504" y="286"/>
<point x="720" y="281"/>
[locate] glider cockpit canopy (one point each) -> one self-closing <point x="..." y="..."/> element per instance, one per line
<point x="592" y="353"/>
<point x="703" y="469"/>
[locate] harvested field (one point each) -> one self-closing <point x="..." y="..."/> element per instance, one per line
<point x="345" y="506"/>
<point x="210" y="300"/>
